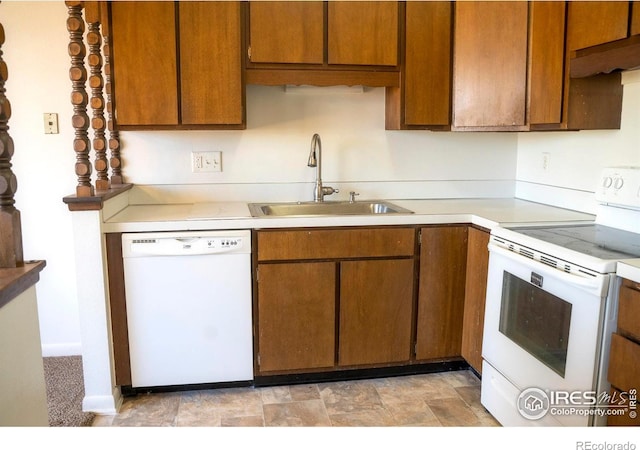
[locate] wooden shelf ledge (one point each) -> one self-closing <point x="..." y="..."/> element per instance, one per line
<point x="15" y="281"/>
<point x="94" y="202"/>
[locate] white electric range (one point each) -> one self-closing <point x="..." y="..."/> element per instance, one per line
<point x="551" y="308"/>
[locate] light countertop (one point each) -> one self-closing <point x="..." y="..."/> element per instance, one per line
<point x="487" y="213"/>
<point x="629" y="269"/>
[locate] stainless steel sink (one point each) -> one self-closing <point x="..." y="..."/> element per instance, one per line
<point x="325" y="209"/>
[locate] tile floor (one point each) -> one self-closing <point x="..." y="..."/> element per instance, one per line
<point x="437" y="399"/>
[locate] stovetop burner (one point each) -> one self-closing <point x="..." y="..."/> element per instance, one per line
<point x="595" y="240"/>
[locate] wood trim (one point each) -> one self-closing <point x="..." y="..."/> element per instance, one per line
<point x="118" y="309"/>
<point x="606" y="58"/>
<point x="95" y="202"/>
<point x="15" y="281"/>
<point x="325" y="77"/>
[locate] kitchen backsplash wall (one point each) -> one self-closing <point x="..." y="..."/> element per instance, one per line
<point x="268" y="161"/>
<point x="574" y="160"/>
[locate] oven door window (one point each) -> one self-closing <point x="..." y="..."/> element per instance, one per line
<point x="536" y="320"/>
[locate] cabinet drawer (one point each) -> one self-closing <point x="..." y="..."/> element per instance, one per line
<point x="327" y="244"/>
<point x="624" y="363"/>
<point x="629" y="310"/>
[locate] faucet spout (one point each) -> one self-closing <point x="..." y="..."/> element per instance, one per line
<point x="315" y="160"/>
<point x="314" y="157"/>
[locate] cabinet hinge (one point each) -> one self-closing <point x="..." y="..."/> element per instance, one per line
<point x="257" y="274"/>
<point x="258" y="359"/>
<point x="249" y="52"/>
<point x="419" y="238"/>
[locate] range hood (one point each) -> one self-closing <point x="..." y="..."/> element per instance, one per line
<point x="623" y="54"/>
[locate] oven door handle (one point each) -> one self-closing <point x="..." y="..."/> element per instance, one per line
<point x="592" y="283"/>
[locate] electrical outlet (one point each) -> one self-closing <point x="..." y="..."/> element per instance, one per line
<point x="206" y="162"/>
<point x="50" y="123"/>
<point x="546" y="161"/>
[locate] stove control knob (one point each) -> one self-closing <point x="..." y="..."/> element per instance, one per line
<point x="619" y="182"/>
<point x="607" y="182"/>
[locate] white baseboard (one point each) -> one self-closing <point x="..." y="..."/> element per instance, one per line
<point x="68" y="349"/>
<point x="103" y="404"/>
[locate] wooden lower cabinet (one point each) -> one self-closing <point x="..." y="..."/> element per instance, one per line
<point x="443" y="259"/>
<point x="367" y="297"/>
<point x="296" y="316"/>
<point x="330" y="299"/>
<point x="376" y="306"/>
<point x="624" y="357"/>
<point x="474" y="297"/>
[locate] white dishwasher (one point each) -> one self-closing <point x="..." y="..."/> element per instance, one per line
<point x="188" y="300"/>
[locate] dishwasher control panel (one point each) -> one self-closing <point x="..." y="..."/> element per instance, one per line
<point x="221" y="243"/>
<point x="188" y="243"/>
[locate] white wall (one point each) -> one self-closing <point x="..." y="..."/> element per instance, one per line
<point x="35" y="51"/>
<point x="576" y="158"/>
<point x="356" y="149"/>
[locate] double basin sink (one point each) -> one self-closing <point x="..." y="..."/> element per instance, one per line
<point x="327" y="208"/>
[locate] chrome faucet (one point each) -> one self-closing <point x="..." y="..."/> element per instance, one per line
<point x="315" y="160"/>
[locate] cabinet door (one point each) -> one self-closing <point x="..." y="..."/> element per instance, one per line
<point x="363" y="33"/>
<point x="145" y="77"/>
<point x="443" y="260"/>
<point x="474" y="297"/>
<point x="210" y="63"/>
<point x="376" y="298"/>
<point x="546" y="61"/>
<point x="624" y="363"/>
<point x="635" y="18"/>
<point x="427" y="91"/>
<point x="286" y="32"/>
<point x="490" y="64"/>
<point x="596" y="22"/>
<point x="296" y="316"/>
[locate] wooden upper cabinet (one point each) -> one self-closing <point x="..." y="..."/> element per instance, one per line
<point x="363" y="33"/>
<point x="286" y="32"/>
<point x="144" y="63"/>
<point x="596" y="22"/>
<point x="427" y="85"/>
<point x="490" y="64"/>
<point x="324" y="33"/>
<point x="210" y="63"/>
<point x="546" y="62"/>
<point x="177" y="64"/>
<point x="635" y="18"/>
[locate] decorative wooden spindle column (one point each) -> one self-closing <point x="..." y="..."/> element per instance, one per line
<point x="114" y="137"/>
<point x="79" y="98"/>
<point x="98" y="123"/>
<point x="10" y="225"/>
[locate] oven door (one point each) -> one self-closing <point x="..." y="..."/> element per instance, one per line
<point x="542" y="329"/>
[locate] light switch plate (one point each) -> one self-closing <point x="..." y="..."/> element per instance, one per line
<point x="50" y="123"/>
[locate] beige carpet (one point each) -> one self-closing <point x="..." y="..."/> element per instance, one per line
<point x="65" y="391"/>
